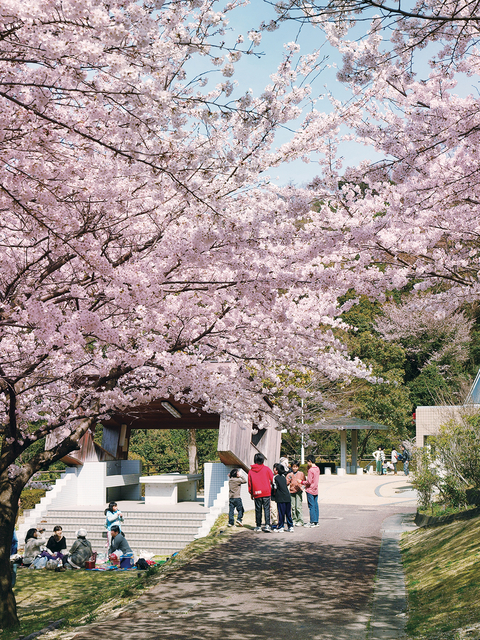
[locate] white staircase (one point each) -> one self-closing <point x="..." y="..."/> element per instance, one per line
<point x="63" y="493"/>
<point x="156" y="532"/>
<point x="160" y="532"/>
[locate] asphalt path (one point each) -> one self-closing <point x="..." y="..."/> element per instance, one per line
<point x="315" y="583"/>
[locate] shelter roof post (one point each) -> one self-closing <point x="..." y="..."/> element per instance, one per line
<point x="354" y="450"/>
<point x="343" y="449"/>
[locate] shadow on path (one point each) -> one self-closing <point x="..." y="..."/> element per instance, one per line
<point x="314" y="583"/>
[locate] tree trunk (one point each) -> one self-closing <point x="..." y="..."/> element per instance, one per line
<point x="9" y="496"/>
<point x="363" y="446"/>
<point x="192" y="451"/>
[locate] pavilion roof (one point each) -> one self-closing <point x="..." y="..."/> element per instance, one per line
<point x="348" y="422"/>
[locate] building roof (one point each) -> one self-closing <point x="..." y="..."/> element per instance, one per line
<point x="473" y="396"/>
<point x="349" y="422"/>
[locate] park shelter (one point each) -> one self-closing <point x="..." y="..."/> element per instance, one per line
<point x="343" y="425"/>
<point x="238" y="441"/>
<point x="428" y="420"/>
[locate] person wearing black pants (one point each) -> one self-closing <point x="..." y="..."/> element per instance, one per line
<point x="235" y="501"/>
<point x="282" y="498"/>
<point x="260" y="478"/>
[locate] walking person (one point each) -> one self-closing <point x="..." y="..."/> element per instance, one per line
<point x="311" y="489"/>
<point x="234" y="500"/>
<point x="260" y="478"/>
<point x="282" y="498"/>
<point x="113" y="516"/>
<point x="294" y="480"/>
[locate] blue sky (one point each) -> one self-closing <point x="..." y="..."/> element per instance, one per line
<point x="253" y="72"/>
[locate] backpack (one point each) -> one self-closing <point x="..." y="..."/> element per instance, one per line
<point x="142" y="564"/>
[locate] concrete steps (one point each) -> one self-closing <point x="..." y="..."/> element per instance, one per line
<point x="161" y="533"/>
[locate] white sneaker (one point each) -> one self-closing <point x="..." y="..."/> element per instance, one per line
<point x="267" y="529"/>
<point x="290" y="530"/>
<point x="280" y="530"/>
<point x="257" y="529"/>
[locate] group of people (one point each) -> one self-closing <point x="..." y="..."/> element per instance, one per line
<point x="41" y="553"/>
<point x="383" y="466"/>
<point x="52" y="553"/>
<point x="116" y="542"/>
<point x="277" y="494"/>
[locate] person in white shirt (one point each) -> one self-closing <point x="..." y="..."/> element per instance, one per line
<point x="394" y="460"/>
<point x="379" y="456"/>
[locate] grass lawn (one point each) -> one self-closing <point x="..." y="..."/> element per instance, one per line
<point x="80" y="597"/>
<point x="45" y="596"/>
<point x="442" y="566"/>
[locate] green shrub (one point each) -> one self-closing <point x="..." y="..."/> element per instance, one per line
<point x="30" y="497"/>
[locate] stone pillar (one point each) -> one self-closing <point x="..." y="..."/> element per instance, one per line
<point x="354" y="450"/>
<point x="343" y="449"/>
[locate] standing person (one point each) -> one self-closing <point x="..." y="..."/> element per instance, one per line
<point x="14" y="548"/>
<point x="379" y="456"/>
<point x="394" y="460"/>
<point x="13" y="552"/>
<point x="311" y="488"/>
<point x="235" y="501"/>
<point x="282" y="498"/>
<point x="273" y="506"/>
<point x="406" y="460"/>
<point x="113" y="516"/>
<point x="294" y="480"/>
<point x="260" y="478"/>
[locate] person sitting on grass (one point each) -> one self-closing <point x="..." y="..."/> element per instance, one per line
<point x="119" y="545"/>
<point x="34" y="541"/>
<point x="80" y="552"/>
<point x="57" y="544"/>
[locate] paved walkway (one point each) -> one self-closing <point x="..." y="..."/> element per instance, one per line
<point x="314" y="583"/>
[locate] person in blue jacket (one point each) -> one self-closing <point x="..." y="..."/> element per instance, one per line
<point x="113" y="516"/>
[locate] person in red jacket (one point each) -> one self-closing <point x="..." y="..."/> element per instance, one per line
<point x="260" y="478"/>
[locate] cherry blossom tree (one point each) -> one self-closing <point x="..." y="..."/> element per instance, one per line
<point x="142" y="252"/>
<point x="411" y="69"/>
